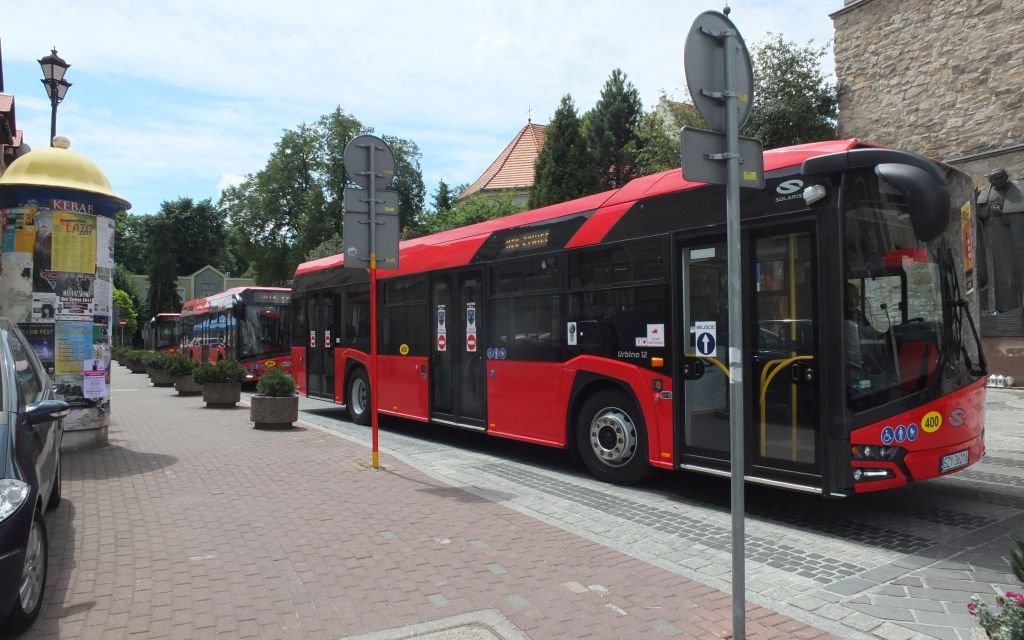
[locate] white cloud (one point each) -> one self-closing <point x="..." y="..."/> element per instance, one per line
<point x="201" y="90"/>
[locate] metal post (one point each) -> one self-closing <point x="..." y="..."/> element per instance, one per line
<point x="53" y="112"/>
<point x="735" y="301"/>
<point x="373" y="304"/>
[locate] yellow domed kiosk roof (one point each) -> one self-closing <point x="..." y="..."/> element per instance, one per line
<point x="58" y="166"/>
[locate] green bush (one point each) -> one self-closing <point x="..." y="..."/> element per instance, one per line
<point x="134" y="355"/>
<point x="223" y="371"/>
<point x="155" y="360"/>
<point x="179" y="365"/>
<point x="276" y="382"/>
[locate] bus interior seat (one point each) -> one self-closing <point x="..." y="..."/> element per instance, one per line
<point x="918" y="362"/>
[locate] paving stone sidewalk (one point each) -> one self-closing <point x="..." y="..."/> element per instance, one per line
<point x="191" y="524"/>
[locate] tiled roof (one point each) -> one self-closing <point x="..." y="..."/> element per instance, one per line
<point x="514" y="167"/>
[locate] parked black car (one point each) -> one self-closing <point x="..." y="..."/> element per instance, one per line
<point x="31" y="429"/>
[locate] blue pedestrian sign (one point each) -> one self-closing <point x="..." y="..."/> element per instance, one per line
<point x="706" y="341"/>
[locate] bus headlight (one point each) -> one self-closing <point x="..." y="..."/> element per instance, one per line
<point x="874" y="452"/>
<point x="860" y="475"/>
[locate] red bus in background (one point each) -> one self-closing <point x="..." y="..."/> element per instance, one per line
<point x="247" y="324"/>
<point x="602" y="325"/>
<point x="163" y="333"/>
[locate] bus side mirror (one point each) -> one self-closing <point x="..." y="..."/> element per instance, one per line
<point x="927" y="197"/>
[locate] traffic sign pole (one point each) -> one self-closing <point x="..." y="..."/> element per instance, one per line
<point x="732" y="239"/>
<point x="374" y="428"/>
<point x="720" y="80"/>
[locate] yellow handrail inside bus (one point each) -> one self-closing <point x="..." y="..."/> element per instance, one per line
<point x="715" y="361"/>
<point x="770" y="370"/>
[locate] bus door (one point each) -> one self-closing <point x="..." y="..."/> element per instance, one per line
<point x="457" y="383"/>
<point x="781" y="386"/>
<point x="784" y="380"/>
<point x="322" y="314"/>
<point x="704" y="331"/>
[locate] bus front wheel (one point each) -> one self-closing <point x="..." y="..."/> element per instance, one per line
<point x="359" y="397"/>
<point x="611" y="438"/>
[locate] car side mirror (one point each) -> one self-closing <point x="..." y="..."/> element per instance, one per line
<point x="927" y="198"/>
<point x="46" y="411"/>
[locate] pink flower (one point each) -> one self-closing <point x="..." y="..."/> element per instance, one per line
<point x="972" y="607"/>
<point x="1016" y="597"/>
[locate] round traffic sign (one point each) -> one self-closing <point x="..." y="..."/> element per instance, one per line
<point x="471" y="342"/>
<point x="704" y="62"/>
<point x="357" y="161"/>
<point x="122" y="323"/>
<point x="442" y="342"/>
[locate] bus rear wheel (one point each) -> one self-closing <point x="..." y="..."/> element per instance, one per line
<point x="358" y="399"/>
<point x="611" y="438"/>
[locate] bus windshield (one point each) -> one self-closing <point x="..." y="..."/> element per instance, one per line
<point x="893" y="318"/>
<point x="264" y="331"/>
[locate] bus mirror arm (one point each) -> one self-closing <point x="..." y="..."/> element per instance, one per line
<point x="928" y="199"/>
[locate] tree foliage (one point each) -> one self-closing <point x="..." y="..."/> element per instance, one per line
<point x="793" y="101"/>
<point x="443" y="197"/>
<point x="611" y="129"/>
<point x="200" y="239"/>
<point x="131" y="241"/>
<point x="126" y="311"/>
<point x="289" y="209"/>
<point x="565" y="168"/>
<point x="475" y="208"/>
<point x="163" y="268"/>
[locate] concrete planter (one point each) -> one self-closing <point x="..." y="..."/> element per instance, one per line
<point x="135" y="366"/>
<point x="186" y="386"/>
<point x="222" y="395"/>
<point x="160" y="378"/>
<point x="273" y="412"/>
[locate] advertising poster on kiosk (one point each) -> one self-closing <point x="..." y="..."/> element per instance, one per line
<point x="57" y="277"/>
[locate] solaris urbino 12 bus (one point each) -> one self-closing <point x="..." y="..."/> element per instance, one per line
<point x="247" y="324"/>
<point x="601" y="325"/>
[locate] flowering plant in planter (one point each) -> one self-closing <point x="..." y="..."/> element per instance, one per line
<point x="1006" y="621"/>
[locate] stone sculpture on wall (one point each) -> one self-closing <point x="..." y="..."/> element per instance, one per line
<point x="1001" y="212"/>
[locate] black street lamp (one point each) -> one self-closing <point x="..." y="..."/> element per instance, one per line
<point x="54" y="68"/>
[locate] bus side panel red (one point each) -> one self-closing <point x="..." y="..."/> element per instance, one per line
<point x="656" y="409"/>
<point x="948" y="425"/>
<point x="526" y="401"/>
<point x="299" y="368"/>
<point x="402" y="383"/>
<point x="341" y="359"/>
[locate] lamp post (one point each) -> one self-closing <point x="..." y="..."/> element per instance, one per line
<point x="54" y="68"/>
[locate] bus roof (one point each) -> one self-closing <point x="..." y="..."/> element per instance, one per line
<point x="462" y="243"/>
<point x="221" y="300"/>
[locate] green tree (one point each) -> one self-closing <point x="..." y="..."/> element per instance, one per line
<point x="443" y="197"/>
<point x="163" y="267"/>
<point x="126" y="311"/>
<point x="565" y="167"/>
<point x="330" y="247"/>
<point x="408" y="179"/>
<point x="793" y="101"/>
<point x="657" y="149"/>
<point x="282" y="213"/>
<point x="201" y="236"/>
<point x="611" y="130"/>
<point x="476" y="208"/>
<point x="131" y="241"/>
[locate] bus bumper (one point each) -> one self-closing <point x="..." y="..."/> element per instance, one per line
<point x="921" y="465"/>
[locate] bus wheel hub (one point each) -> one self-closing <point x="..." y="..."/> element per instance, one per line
<point x="613" y="437"/>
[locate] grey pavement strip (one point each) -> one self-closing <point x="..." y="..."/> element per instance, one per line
<point x="1001" y="479"/>
<point x="487" y="624"/>
<point x="1002" y="461"/>
<point x="780" y="556"/>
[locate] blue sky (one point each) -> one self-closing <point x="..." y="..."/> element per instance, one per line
<point x="183" y="97"/>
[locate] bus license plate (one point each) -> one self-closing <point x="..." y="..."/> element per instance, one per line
<point x="953" y="461"/>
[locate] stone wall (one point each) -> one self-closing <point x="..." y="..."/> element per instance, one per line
<point x="944" y="78"/>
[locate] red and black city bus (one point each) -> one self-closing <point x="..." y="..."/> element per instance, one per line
<point x="247" y="324"/>
<point x="601" y="324"/>
<point x="162" y="332"/>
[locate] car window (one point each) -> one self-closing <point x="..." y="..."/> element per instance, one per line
<point x="30" y="384"/>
